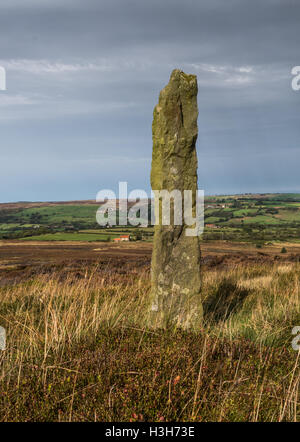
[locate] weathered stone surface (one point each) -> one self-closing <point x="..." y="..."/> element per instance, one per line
<point x="175" y="293"/>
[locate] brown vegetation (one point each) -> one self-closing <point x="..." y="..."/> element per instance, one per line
<point x="77" y="349"/>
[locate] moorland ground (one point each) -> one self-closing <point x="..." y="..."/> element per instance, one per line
<point x="78" y="349"/>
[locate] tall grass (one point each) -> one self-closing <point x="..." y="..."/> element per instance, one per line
<point x="77" y="349"/>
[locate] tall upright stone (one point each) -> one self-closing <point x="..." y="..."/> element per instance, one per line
<point x="175" y="272"/>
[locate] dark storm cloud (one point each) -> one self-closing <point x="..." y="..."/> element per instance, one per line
<point x="261" y="31"/>
<point x="83" y="77"/>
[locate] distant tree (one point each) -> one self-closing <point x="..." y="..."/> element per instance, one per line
<point x="283" y="250"/>
<point x="236" y="204"/>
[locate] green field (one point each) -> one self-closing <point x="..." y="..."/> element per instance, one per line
<point x="71" y="237"/>
<point x="59" y="214"/>
<point x="252" y="218"/>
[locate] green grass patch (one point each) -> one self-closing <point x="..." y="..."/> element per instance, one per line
<point x="90" y="237"/>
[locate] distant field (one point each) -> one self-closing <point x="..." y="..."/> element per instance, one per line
<point x="259" y="219"/>
<point x="71" y="237"/>
<point x="59" y="213"/>
<point x="254" y="218"/>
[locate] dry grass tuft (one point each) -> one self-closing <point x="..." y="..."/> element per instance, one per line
<point x="256" y="283"/>
<point x="77" y="349"/>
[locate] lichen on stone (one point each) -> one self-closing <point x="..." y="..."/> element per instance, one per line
<point x="175" y="270"/>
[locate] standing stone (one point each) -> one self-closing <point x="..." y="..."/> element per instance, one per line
<point x="175" y="272"/>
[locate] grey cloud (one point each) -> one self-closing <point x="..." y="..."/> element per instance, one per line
<point x="83" y="78"/>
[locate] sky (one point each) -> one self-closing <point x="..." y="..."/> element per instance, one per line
<point x="83" y="78"/>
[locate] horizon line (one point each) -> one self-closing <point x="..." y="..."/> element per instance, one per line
<point x="117" y="199"/>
